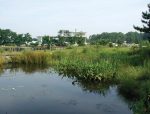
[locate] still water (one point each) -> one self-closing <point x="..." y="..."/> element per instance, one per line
<point x="23" y="91"/>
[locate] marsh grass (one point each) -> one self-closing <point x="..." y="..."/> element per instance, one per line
<point x="90" y="63"/>
<point x="2" y="61"/>
<point x="31" y="58"/>
<point x="95" y="63"/>
<point x="99" y="63"/>
<point x="88" y="71"/>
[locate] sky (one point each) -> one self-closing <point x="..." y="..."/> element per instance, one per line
<point x="47" y="17"/>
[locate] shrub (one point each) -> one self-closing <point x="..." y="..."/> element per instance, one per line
<point x="110" y="44"/>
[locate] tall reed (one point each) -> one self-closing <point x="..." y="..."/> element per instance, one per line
<point x="31" y="57"/>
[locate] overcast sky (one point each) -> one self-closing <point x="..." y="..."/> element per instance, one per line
<point x="46" y="17"/>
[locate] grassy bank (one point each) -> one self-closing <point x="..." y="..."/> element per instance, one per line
<point x="103" y="63"/>
<point x="92" y="63"/>
<point x="30" y="58"/>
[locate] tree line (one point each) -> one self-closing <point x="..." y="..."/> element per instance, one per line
<point x="8" y="37"/>
<point x="117" y="37"/>
<point x="62" y="41"/>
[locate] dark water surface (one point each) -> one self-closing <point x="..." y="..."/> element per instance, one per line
<point x="45" y="92"/>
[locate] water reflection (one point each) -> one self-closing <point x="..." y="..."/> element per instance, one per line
<point x="40" y="90"/>
<point x="28" y="69"/>
<point x="1" y="71"/>
<point x="97" y="88"/>
<point x="87" y="86"/>
<point x="137" y="94"/>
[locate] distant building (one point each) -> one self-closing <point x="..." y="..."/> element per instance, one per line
<point x="115" y="44"/>
<point x="67" y="33"/>
<point x="32" y="42"/>
<point x="125" y="43"/>
<point x="64" y="33"/>
<point x="75" y="44"/>
<point x="39" y="39"/>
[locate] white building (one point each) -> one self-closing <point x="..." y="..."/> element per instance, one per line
<point x="67" y="33"/>
<point x="39" y="38"/>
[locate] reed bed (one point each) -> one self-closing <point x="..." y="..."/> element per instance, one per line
<point x="31" y="58"/>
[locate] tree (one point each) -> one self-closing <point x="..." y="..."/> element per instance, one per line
<point x="8" y="37"/>
<point x="61" y="41"/>
<point x="146" y="23"/>
<point x="46" y="40"/>
<point x="133" y="37"/>
<point x="27" y="37"/>
<point x="104" y="38"/>
<point x="5" y="37"/>
<point x="19" y="40"/>
<point x="80" y="40"/>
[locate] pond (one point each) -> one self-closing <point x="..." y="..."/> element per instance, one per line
<point x="43" y="91"/>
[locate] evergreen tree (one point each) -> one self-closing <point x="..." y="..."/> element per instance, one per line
<point x="146" y="23"/>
